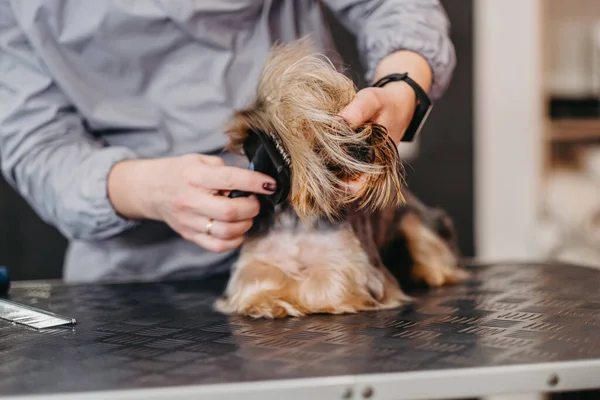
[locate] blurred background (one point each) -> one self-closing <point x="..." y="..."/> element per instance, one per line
<point x="512" y="151"/>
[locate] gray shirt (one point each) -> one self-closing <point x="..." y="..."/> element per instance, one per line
<point x="87" y="83"/>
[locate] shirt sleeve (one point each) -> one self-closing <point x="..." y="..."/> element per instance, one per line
<point x="382" y="27"/>
<point x="45" y="152"/>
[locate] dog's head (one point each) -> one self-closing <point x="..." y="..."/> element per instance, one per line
<point x="298" y="98"/>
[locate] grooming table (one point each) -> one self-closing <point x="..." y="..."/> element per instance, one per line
<point x="514" y="328"/>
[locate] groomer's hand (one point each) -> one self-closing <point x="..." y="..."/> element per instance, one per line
<point x="189" y="194"/>
<point x="391" y="106"/>
<point x="394" y="104"/>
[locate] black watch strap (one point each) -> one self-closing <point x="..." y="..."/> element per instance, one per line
<point x="423" y="103"/>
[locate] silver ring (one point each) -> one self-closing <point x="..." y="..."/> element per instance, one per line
<point x="209" y="226"/>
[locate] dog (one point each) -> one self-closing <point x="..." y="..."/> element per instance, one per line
<point x="349" y="231"/>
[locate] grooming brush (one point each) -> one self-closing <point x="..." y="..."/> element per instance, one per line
<point x="267" y="156"/>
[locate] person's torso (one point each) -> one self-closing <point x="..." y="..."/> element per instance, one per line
<point x="162" y="78"/>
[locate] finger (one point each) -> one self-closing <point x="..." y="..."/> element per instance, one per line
<point x="219" y="229"/>
<point x="215" y="244"/>
<point x="195" y="159"/>
<point x="233" y="178"/>
<point x="363" y="108"/>
<point x="224" y="209"/>
<point x="213" y="160"/>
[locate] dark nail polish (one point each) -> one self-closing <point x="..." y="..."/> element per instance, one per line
<point x="269" y="186"/>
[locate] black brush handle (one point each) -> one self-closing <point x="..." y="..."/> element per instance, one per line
<point x="234" y="194"/>
<point x="4" y="281"/>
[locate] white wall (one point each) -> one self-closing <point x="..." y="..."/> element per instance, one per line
<point x="508" y="126"/>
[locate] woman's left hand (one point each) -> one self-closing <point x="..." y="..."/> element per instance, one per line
<point x="394" y="104"/>
<point x="391" y="106"/>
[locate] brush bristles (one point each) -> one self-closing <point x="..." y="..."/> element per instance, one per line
<point x="298" y="98"/>
<point x="283" y="152"/>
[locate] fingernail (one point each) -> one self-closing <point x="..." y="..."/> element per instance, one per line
<point x="269" y="186"/>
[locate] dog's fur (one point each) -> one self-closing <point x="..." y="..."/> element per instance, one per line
<point x="333" y="247"/>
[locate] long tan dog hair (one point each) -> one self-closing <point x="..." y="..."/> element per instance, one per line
<point x="298" y="98"/>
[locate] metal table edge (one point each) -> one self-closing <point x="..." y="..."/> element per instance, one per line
<point x="438" y="384"/>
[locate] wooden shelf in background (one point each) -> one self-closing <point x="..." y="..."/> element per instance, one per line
<point x="570" y="130"/>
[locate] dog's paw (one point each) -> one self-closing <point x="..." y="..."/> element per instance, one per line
<point x="435" y="261"/>
<point x="270" y="309"/>
<point x="436" y="273"/>
<point x="260" y="306"/>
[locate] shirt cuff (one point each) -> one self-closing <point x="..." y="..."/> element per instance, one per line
<point x="103" y="221"/>
<point x="437" y="51"/>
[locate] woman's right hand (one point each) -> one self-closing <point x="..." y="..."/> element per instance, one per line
<point x="189" y="193"/>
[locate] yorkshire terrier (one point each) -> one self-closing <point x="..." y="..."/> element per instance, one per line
<point x="349" y="231"/>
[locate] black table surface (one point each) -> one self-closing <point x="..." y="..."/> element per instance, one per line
<point x="141" y="335"/>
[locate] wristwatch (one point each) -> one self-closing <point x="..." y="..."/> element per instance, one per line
<point x="423" y="104"/>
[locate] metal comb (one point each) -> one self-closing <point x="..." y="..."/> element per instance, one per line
<point x="31" y="316"/>
<point x="27" y="315"/>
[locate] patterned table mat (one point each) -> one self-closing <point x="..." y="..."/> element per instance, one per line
<point x="164" y="334"/>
